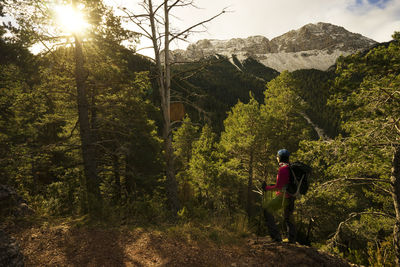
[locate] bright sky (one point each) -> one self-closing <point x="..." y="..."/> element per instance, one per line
<point x="376" y="19"/>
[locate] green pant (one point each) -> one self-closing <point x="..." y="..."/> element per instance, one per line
<point x="273" y="203"/>
<point x="271" y="207"/>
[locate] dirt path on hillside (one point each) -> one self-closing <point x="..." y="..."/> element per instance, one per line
<point x="63" y="246"/>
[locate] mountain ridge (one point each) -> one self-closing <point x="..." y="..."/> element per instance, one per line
<point x="313" y="46"/>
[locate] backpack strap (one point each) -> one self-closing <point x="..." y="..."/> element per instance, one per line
<point x="298" y="184"/>
<point x="298" y="187"/>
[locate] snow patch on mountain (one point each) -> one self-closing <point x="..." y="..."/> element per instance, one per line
<point x="291" y="61"/>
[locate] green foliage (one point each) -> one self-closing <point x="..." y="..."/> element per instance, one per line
<point x="222" y="83"/>
<point x="381" y="252"/>
<point x="352" y="172"/>
<point x="184" y="137"/>
<point x="244" y="145"/>
<point x="283" y="110"/>
<point x="335" y="194"/>
<point x="254" y="67"/>
<point x="243" y="135"/>
<point x="183" y="140"/>
<point x="203" y="169"/>
<point x="313" y="87"/>
<point x="38" y="120"/>
<point x="209" y="188"/>
<point x="242" y="128"/>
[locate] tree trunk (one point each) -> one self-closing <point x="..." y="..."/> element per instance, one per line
<point x="250" y="187"/>
<point x="117" y="179"/>
<point x="164" y="83"/>
<point x="86" y="135"/>
<point x="83" y="195"/>
<point x="34" y="176"/>
<point x="129" y="178"/>
<point x="172" y="186"/>
<point x="395" y="182"/>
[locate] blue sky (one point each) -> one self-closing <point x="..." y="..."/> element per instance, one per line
<point x="378" y="3"/>
<point x="371" y="4"/>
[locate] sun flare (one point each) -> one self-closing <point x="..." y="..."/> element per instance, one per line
<point x="71" y="20"/>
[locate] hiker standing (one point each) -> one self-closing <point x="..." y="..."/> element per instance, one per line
<point x="281" y="199"/>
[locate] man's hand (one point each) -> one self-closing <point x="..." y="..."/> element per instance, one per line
<point x="263" y="186"/>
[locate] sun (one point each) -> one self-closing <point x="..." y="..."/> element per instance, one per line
<point x="71" y="21"/>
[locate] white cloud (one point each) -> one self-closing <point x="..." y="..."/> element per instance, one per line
<point x="272" y="18"/>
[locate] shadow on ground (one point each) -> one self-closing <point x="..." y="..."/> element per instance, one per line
<point x="66" y="246"/>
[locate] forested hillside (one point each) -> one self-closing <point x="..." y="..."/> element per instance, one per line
<point x="210" y="87"/>
<point x="82" y="142"/>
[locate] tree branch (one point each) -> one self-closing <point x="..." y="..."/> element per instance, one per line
<point x="174" y="4"/>
<point x="133" y="18"/>
<point x="158" y="8"/>
<point x="352" y="180"/>
<point x="196" y="25"/>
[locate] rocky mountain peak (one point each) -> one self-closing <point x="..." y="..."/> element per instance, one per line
<point x="312" y="46"/>
<point x="320" y="36"/>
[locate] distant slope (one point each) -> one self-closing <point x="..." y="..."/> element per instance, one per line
<point x="313" y="87"/>
<point x="254" y="67"/>
<point x="215" y="84"/>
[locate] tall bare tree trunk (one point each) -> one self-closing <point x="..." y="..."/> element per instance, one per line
<point x="164" y="82"/>
<point x="86" y="134"/>
<point x="172" y="186"/>
<point x="395" y="182"/>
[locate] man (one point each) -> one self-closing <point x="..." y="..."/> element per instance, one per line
<point x="281" y="199"/>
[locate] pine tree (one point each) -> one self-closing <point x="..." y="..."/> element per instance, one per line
<point x="184" y="138"/>
<point x="283" y="110"/>
<point x="244" y="140"/>
<point x="203" y="169"/>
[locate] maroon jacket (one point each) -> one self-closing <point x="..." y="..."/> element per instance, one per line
<point x="282" y="179"/>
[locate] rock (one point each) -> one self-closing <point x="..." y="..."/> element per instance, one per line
<point x="10" y="254"/>
<point x="312" y="46"/>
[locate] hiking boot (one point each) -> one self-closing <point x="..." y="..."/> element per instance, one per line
<point x="286" y="240"/>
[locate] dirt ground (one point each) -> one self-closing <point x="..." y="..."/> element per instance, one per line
<point x="65" y="246"/>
